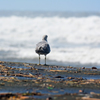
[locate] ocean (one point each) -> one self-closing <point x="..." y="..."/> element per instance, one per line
<point x="74" y="37"/>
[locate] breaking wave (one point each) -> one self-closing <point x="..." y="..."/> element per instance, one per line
<point x="72" y="39"/>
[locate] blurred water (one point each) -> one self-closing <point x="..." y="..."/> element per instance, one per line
<point x="74" y="38"/>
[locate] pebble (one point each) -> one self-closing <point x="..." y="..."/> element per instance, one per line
<point x="81" y="91"/>
<point x="49" y="98"/>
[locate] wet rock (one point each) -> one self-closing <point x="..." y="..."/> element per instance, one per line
<point x="92" y="93"/>
<point x="70" y="78"/>
<point x="49" y="98"/>
<point x="81" y="91"/>
<point x="91" y="80"/>
<point x="94" y="68"/>
<point x="59" y="77"/>
<point x="88" y="98"/>
<point x="5" y="96"/>
<point x="83" y="67"/>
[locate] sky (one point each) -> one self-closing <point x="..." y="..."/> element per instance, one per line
<point x="51" y="5"/>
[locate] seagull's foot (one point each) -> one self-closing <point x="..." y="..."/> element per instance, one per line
<point x="46" y="65"/>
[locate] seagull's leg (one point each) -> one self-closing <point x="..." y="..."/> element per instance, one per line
<point x="45" y="59"/>
<point x="39" y="59"/>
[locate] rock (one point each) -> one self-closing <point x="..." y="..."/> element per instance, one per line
<point x="81" y="91"/>
<point x="88" y="98"/>
<point x="92" y="93"/>
<point x="49" y="98"/>
<point x="94" y="68"/>
<point x="70" y="78"/>
<point x="59" y="77"/>
<point x="83" y="67"/>
<point x="91" y="80"/>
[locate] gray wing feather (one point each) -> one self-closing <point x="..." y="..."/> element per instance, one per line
<point x="42" y="48"/>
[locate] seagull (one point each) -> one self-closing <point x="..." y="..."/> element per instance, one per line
<point x="43" y="48"/>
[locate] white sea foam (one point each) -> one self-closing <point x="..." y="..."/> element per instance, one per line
<point x="71" y="39"/>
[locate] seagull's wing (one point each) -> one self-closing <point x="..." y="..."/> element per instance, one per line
<point x="42" y="48"/>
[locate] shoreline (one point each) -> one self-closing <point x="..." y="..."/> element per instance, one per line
<point x="40" y="82"/>
<point x="52" y="62"/>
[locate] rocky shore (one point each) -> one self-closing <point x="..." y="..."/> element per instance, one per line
<point x="27" y="81"/>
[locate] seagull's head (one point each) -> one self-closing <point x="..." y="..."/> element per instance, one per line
<point x="45" y="37"/>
